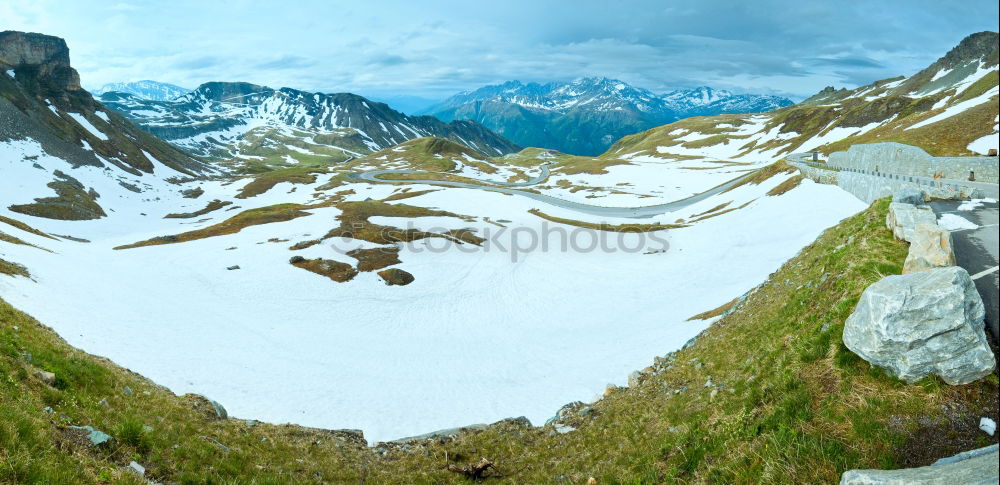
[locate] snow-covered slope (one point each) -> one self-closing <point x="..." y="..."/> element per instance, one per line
<point x="250" y="123"/>
<point x="586" y="116"/>
<point x="949" y="108"/>
<point x="148" y="90"/>
<point x="188" y="281"/>
<point x="274" y="342"/>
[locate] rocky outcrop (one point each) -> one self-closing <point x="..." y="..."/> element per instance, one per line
<point x="395" y="276"/>
<point x="41" y="99"/>
<point x="902" y="219"/>
<point x="930" y="248"/>
<point x="43" y="59"/>
<point x="977" y="467"/>
<point x="914" y="325"/>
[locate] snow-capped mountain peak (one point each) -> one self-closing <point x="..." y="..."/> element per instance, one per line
<point x="699" y="96"/>
<point x="588" y="113"/>
<point x="150" y="90"/>
<point x="244" y="121"/>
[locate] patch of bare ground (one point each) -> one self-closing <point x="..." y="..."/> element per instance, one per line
<point x="375" y="258"/>
<point x="785" y="186"/>
<point x="606" y="227"/>
<point x="211" y="206"/>
<point x="715" y="311"/>
<point x="335" y="270"/>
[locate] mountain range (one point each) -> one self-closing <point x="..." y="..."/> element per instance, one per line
<point x="948" y="109"/>
<point x="149" y="90"/>
<point x="257" y="127"/>
<point x="586" y="116"/>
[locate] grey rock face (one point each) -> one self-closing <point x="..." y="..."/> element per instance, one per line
<point x="220" y="411"/>
<point x="45" y="376"/>
<point x="909" y="196"/>
<point x="977" y="469"/>
<point x="923" y="323"/>
<point x="965" y="455"/>
<point x="38" y="56"/>
<point x="931" y="247"/>
<point x="902" y="219"/>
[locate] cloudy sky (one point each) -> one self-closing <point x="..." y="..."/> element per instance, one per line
<point x="432" y="49"/>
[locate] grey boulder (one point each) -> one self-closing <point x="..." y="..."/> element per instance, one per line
<point x="914" y="325"/>
<point x="978" y="467"/>
<point x="931" y="247"/>
<point x="902" y="219"/>
<point x="909" y="196"/>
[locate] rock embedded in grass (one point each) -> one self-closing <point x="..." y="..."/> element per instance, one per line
<point x="47" y="377"/>
<point x="95" y="436"/>
<point x="924" y="323"/>
<point x="220" y="411"/>
<point x="965" y="468"/>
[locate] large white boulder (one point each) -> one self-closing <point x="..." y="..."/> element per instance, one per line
<point x="931" y="247"/>
<point x="914" y="325"/>
<point x="902" y="219"/>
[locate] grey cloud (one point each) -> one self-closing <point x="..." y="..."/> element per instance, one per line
<point x="434" y="49"/>
<point x="197" y="63"/>
<point x="287" y="62"/>
<point x="388" y="60"/>
<point x="862" y="62"/>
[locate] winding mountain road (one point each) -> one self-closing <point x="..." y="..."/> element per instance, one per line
<point x="508" y="188"/>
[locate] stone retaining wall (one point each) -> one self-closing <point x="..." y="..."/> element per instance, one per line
<point x="870" y="186"/>
<point x="909" y="160"/>
<point x="818" y="175"/>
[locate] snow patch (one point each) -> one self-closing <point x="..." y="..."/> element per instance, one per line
<point x="80" y="120"/>
<point x="952" y="222"/>
<point x="957" y="108"/>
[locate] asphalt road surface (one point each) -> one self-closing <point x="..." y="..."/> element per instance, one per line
<point x="976" y="251"/>
<point x="595" y="210"/>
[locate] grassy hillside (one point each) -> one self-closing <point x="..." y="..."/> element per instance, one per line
<point x="430" y="154"/>
<point x="767" y="394"/>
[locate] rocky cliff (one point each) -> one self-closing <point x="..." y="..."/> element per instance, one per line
<point x="40" y="61"/>
<point x="41" y="100"/>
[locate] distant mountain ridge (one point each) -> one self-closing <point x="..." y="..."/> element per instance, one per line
<point x="947" y="109"/>
<point x="245" y="122"/>
<point x="587" y="115"/>
<point x="149" y="90"/>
